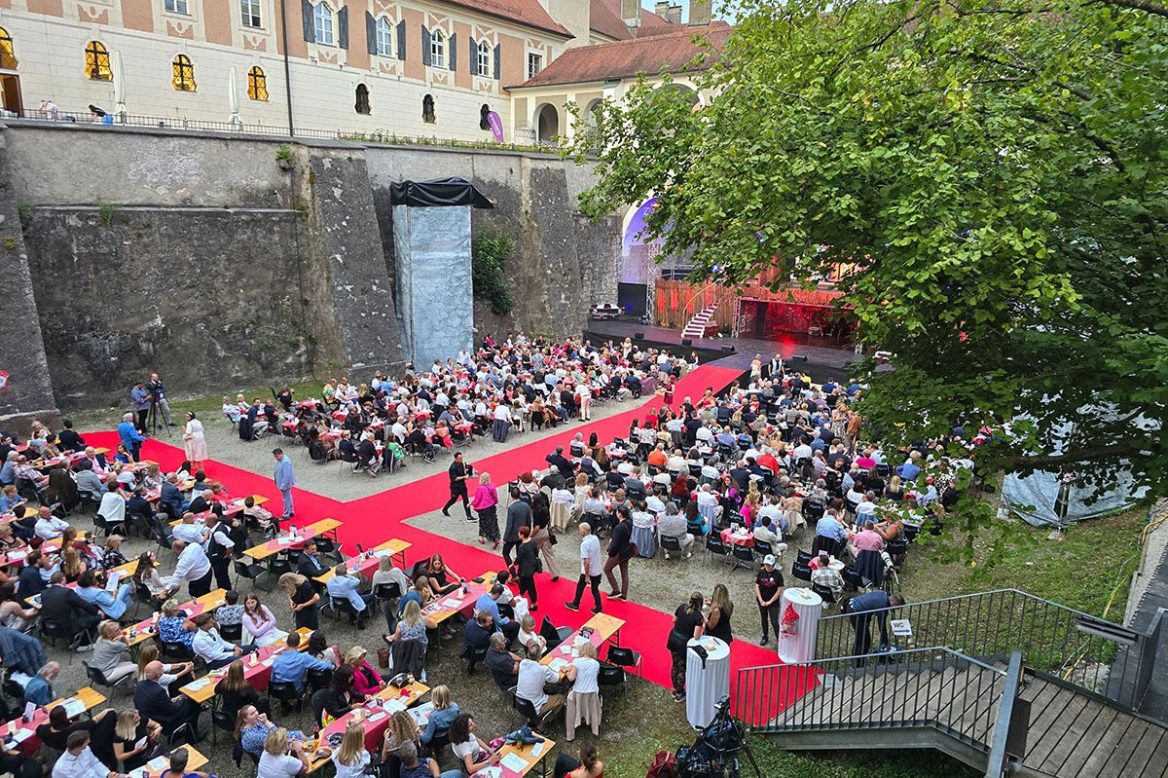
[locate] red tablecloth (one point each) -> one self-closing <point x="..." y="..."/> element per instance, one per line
<point x="730" y="538"/>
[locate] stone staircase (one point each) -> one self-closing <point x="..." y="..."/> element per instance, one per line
<point x="700" y="325"/>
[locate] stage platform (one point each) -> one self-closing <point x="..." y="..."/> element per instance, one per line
<point x="825" y="359"/>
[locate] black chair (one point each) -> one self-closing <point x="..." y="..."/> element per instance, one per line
<point x="279" y="565"/>
<point x="438" y="741"/>
<point x="326" y="547"/>
<point x="715" y="546"/>
<point x="53" y="632"/>
<point x="802" y="557"/>
<point x="105" y="527"/>
<point x="232" y="632"/>
<point x="387" y="592"/>
<point x="318" y="679"/>
<point x="506" y="610"/>
<point x="825" y="592"/>
<point x="553" y="635"/>
<point x="611" y="677"/>
<point x="763" y="548"/>
<point x="800" y="571"/>
<point x="286" y="693"/>
<point x="743" y="557"/>
<point x="476" y="656"/>
<point x="98" y="678"/>
<point x="183" y="734"/>
<point x="317" y="704"/>
<point x="341" y="607"/>
<point x="852" y="580"/>
<point x="251" y="572"/>
<point x="669" y="545"/>
<point x="624" y="657"/>
<point x="221" y="719"/>
<point x="526" y="710"/>
<point x="176" y="652"/>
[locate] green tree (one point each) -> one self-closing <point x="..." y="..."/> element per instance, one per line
<point x="994" y="168"/>
<point x="487" y="272"/>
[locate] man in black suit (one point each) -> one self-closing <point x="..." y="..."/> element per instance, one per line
<point x="31" y="582"/>
<point x="171" y="501"/>
<point x="153" y="702"/>
<point x="69" y="439"/>
<point x="63" y="606"/>
<point x="560" y="462"/>
<point x="310" y="564"/>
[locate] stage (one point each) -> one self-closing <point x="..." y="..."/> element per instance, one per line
<point x="825" y="358"/>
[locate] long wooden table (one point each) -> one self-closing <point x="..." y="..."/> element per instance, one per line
<point x="257" y="670"/>
<point x="147" y="628"/>
<point x="25" y="733"/>
<point x="366" y="564"/>
<point x="285" y="541"/>
<point x="374" y="716"/>
<point x="155" y="766"/>
<point x="531" y="756"/>
<point x="48" y="547"/>
<point x="447" y="605"/>
<point x="601" y="628"/>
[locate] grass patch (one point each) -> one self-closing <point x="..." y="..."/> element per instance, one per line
<point x="775" y="762"/>
<point x="1089" y="569"/>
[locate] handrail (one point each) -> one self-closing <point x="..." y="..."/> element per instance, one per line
<point x="904" y="653"/>
<point x="996" y="764"/>
<point x="1092" y="653"/>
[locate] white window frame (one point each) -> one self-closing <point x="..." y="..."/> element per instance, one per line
<point x="324" y="25"/>
<point x="249" y="11"/>
<point x="483" y="65"/>
<point x="535" y="54"/>
<point x="438" y="41"/>
<point x="181" y="7"/>
<point x="384" y="37"/>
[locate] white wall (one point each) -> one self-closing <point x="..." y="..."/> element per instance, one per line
<point x="50" y="52"/>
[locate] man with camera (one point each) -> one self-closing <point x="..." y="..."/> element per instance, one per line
<point x="158" y="390"/>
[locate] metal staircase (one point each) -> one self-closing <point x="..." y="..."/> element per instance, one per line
<point x="1021" y="686"/>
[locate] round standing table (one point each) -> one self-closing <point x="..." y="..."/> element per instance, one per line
<point x="800" y="647"/>
<point x="706" y="687"/>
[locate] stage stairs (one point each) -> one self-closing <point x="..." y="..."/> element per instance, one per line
<point x="1019" y="712"/>
<point x="701" y="324"/>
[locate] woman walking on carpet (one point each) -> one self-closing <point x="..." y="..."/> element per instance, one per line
<point x="485" y="502"/>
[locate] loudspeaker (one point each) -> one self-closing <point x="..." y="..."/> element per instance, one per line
<point x="639" y="335"/>
<point x="727" y="349"/>
<point x="686" y="342"/>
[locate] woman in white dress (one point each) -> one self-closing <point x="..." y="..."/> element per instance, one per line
<point x="194" y="441"/>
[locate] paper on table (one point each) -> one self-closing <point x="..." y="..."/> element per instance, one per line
<point x="21" y="735"/>
<point x="195" y="686"/>
<point x="15" y="555"/>
<point x="557" y="664"/>
<point x="141" y="772"/>
<point x="74" y="707"/>
<point x="452" y="602"/>
<point x="158" y="763"/>
<point x="514" y="762"/>
<point x="537" y="749"/>
<point x="378" y="716"/>
<point x="112" y="584"/>
<point x="394" y="706"/>
<point x="494" y="771"/>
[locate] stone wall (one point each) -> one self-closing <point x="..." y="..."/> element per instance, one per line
<point x="198" y="255"/>
<point x="207" y="297"/>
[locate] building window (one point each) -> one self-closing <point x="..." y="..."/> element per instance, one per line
<point x="7" y="53"/>
<point x="362" y="104"/>
<point x="176" y="7"/>
<point x="257" y="84"/>
<point x="183" y="74"/>
<point x="428" y="110"/>
<point x="97" y="62"/>
<point x="483" y="60"/>
<point x="438" y="49"/>
<point x="322" y="24"/>
<point x="534" y="64"/>
<point x="384" y="38"/>
<point x="249" y="11"/>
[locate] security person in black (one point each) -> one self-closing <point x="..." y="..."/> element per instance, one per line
<point x="459" y="472"/>
<point x="220" y="549"/>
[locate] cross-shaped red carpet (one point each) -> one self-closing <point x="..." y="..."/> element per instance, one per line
<point x="377" y="518"/>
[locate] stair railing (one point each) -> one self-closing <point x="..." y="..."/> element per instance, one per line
<point x="1099" y="656"/>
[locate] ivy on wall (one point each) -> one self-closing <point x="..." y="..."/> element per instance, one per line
<point x="487" y="269"/>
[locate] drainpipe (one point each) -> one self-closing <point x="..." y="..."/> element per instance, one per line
<point x="287" y="67"/>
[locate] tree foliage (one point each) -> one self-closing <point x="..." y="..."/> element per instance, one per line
<point x="994" y="168"/>
<point x="487" y="272"/>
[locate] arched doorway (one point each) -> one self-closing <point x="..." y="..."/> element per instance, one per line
<point x="547" y="124"/>
<point x="688" y="91"/>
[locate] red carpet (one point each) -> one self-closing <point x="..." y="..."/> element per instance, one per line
<point x="373" y="519"/>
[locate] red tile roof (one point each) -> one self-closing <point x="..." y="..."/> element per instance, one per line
<point x="627" y="58"/>
<point x="528" y="13"/>
<point x="605" y="18"/>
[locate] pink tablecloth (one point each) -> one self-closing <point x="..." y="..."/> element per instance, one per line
<point x="729" y="538"/>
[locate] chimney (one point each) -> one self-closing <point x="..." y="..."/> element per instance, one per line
<point x="631" y="13"/>
<point x="700" y="12"/>
<point x="662" y="8"/>
<point x="673" y="14"/>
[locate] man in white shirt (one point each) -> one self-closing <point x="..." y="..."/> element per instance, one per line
<point x="533" y="677"/>
<point x="209" y="646"/>
<point x="585" y="393"/>
<point x="49" y="526"/>
<point x="591" y="566"/>
<point x="502" y="424"/>
<point x="113" y="505"/>
<point x="78" y="761"/>
<point x="343" y="586"/>
<point x="192" y="567"/>
<point x="190" y="531"/>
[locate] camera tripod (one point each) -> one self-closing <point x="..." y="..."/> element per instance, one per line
<point x="152" y="421"/>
